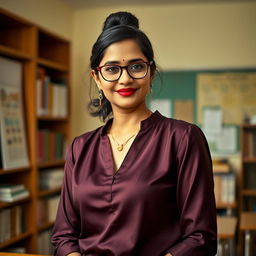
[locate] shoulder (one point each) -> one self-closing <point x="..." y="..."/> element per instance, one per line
<point x="88" y="136"/>
<point x="182" y="132"/>
<point x="179" y="127"/>
<point x="84" y="140"/>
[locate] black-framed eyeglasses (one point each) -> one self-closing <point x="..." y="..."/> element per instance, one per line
<point x="112" y="72"/>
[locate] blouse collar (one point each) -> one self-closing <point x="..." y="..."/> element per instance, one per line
<point x="146" y="123"/>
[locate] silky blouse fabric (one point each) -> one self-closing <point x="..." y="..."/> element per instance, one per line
<point x="160" y="200"/>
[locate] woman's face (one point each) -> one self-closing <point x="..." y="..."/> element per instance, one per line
<point x="126" y="92"/>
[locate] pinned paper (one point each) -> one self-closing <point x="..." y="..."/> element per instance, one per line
<point x="162" y="105"/>
<point x="212" y="120"/>
<point x="183" y="110"/>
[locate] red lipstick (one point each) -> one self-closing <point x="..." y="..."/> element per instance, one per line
<point x="126" y="91"/>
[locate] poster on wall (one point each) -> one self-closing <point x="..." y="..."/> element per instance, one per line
<point x="12" y="131"/>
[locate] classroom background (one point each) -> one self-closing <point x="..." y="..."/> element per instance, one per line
<point x="206" y="55"/>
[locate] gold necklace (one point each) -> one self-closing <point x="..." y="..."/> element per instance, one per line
<point x="120" y="146"/>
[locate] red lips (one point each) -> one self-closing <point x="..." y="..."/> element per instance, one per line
<point x="126" y="91"/>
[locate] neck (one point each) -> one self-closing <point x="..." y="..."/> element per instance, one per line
<point x="127" y="122"/>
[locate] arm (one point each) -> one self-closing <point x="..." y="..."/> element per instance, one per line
<point x="195" y="197"/>
<point x="66" y="230"/>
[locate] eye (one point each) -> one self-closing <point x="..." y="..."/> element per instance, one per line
<point x="137" y="67"/>
<point x="111" y="69"/>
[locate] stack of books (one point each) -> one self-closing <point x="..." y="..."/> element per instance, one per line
<point x="12" y="192"/>
<point x="51" y="178"/>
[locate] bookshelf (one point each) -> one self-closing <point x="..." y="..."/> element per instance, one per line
<point x="247" y="179"/>
<point x="225" y="187"/>
<point x="226" y="204"/>
<point x="37" y="49"/>
<point x="248" y="168"/>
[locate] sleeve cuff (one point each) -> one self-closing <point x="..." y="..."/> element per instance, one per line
<point x="66" y="248"/>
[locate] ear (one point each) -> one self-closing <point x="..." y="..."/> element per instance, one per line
<point x="96" y="79"/>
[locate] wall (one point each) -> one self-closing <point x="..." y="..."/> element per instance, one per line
<point x="184" y="36"/>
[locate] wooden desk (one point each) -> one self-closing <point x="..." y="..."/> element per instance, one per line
<point x="247" y="224"/>
<point x="18" y="254"/>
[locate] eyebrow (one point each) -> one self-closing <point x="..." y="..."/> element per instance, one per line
<point x="118" y="62"/>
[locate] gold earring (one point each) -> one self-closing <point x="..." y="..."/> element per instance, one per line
<point x="100" y="97"/>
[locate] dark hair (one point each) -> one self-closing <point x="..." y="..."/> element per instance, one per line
<point x="117" y="27"/>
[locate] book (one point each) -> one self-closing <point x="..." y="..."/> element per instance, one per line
<point x="225" y="188"/>
<point x="12" y="197"/>
<point x="10" y="188"/>
<point x="51" y="145"/>
<point x="52" y="95"/>
<point x="52" y="206"/>
<point x="11" y="222"/>
<point x="44" y="245"/>
<point x="51" y="178"/>
<point x="16" y="249"/>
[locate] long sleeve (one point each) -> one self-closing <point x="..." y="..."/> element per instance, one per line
<point x="66" y="229"/>
<point x="195" y="197"/>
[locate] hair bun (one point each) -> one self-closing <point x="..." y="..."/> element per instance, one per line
<point x="121" y="18"/>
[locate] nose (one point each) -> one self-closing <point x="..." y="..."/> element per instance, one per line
<point x="125" y="77"/>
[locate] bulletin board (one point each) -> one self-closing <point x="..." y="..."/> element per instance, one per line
<point x="232" y="91"/>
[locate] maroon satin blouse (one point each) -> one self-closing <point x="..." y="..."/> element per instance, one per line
<point x="161" y="199"/>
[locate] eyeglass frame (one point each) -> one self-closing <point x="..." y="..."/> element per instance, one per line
<point x="149" y="63"/>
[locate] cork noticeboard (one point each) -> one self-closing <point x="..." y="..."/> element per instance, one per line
<point x="234" y="92"/>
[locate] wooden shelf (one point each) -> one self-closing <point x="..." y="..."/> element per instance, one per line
<point x="249" y="160"/>
<point x="36" y="49"/>
<point x="9" y="204"/>
<point x="48" y="192"/>
<point x="249" y="126"/>
<point x="17" y="54"/>
<point x="46" y="226"/>
<point x="52" y="64"/>
<point x="52" y="163"/>
<point x="51" y="118"/>
<point x="248" y="192"/>
<point x="15" y="239"/>
<point x="6" y="172"/>
<point x="226" y="205"/>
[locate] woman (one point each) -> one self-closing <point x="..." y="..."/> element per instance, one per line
<point x="142" y="184"/>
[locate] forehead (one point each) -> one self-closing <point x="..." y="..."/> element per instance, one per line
<point x="123" y="51"/>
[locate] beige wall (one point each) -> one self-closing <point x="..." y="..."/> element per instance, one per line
<point x="185" y="36"/>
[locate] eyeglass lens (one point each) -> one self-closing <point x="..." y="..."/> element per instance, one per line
<point x="135" y="70"/>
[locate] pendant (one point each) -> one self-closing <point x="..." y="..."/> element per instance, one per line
<point x="120" y="147"/>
